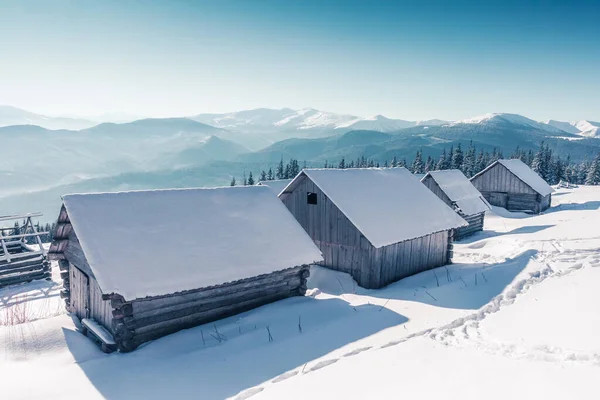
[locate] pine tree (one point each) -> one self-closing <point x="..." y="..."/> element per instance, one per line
<point x="403" y="163"/>
<point x="468" y="165"/>
<point x="263" y="176"/>
<point x="279" y="171"/>
<point x="441" y="164"/>
<point x="232" y="181"/>
<point x="326" y="165"/>
<point x="385" y="164"/>
<point x="480" y="163"/>
<point x="450" y="158"/>
<point x="250" y="179"/>
<point x="395" y="161"/>
<point x="245" y="181"/>
<point x="539" y="164"/>
<point x="457" y="158"/>
<point x="342" y="164"/>
<point x="418" y="167"/>
<point x="429" y="164"/>
<point x="270" y="176"/>
<point x="593" y="175"/>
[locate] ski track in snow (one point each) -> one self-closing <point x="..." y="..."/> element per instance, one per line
<point x="465" y="331"/>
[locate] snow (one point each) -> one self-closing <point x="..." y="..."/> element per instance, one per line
<point x="526" y="330"/>
<point x="376" y="123"/>
<point x="461" y="191"/>
<point x="582" y="128"/>
<point x="98" y="330"/>
<point x="527" y="175"/>
<point x="388" y="205"/>
<point x="588" y="128"/>
<point x="277" y="185"/>
<point x="150" y="243"/>
<point x="511" y="118"/>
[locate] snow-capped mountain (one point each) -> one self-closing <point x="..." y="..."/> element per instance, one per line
<point x="309" y="119"/>
<point x="514" y="119"/>
<point x="588" y="128"/>
<point x="582" y="128"/>
<point x="265" y="119"/>
<point x="15" y="116"/>
<point x="376" y="123"/>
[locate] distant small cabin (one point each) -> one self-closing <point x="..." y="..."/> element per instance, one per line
<point x="276" y="185"/>
<point x="141" y="265"/>
<point x="511" y="184"/>
<point x="455" y="189"/>
<point x="377" y="224"/>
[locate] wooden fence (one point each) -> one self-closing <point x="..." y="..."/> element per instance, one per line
<point x="20" y="262"/>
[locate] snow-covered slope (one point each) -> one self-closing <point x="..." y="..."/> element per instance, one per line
<point x="515" y="316"/>
<point x="270" y="119"/>
<point x="588" y="128"/>
<point x="515" y="119"/>
<point x="15" y="116"/>
<point x="582" y="128"/>
<point x="376" y="123"/>
<point x="287" y="119"/>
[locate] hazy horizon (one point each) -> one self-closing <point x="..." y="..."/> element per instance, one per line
<point x="412" y="61"/>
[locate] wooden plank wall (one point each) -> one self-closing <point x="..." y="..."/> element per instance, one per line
<point x="79" y="292"/>
<point x="435" y="188"/>
<point x="523" y="202"/>
<point x="546" y="202"/>
<point x="343" y="246"/>
<point x="100" y="310"/>
<point x="411" y="257"/>
<point x="500" y="179"/>
<point x="147" y="319"/>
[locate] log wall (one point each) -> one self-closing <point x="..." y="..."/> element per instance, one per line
<point x="24" y="265"/>
<point x="475" y="225"/>
<point x="502" y="188"/>
<point x="134" y="322"/>
<point x="141" y="320"/>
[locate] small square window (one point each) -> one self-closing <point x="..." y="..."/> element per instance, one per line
<point x="311" y="198"/>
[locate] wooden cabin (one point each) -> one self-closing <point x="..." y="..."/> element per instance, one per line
<point x="511" y="184"/>
<point x="377" y="224"/>
<point x="141" y="265"/>
<point x="455" y="189"/>
<point x="276" y="185"/>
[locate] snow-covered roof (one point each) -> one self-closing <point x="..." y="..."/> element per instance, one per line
<point x="388" y="205"/>
<point x="460" y="190"/>
<point x="277" y="185"/>
<point x="527" y="175"/>
<point x="150" y="243"/>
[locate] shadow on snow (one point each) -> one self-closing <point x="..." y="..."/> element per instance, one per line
<point x="195" y="363"/>
<point x="461" y="286"/>
<point x="486" y="234"/>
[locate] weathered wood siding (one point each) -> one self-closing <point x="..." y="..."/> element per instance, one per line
<point x="79" y="288"/>
<point x="502" y="188"/>
<point x="100" y="310"/>
<point x="435" y="188"/>
<point x="407" y="258"/>
<point x="475" y="225"/>
<point x="343" y="246"/>
<point x="346" y="249"/>
<point x="500" y="179"/>
<point x="142" y="320"/>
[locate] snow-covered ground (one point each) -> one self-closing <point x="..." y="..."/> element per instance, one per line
<point x="516" y="316"/>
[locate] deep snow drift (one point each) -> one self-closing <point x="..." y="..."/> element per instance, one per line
<point x="514" y="317"/>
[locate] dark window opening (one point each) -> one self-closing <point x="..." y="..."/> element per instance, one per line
<point x="311" y="198"/>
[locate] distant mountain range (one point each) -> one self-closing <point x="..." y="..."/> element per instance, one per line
<point x="38" y="164"/>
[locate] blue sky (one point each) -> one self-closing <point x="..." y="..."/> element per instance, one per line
<point x="411" y="60"/>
